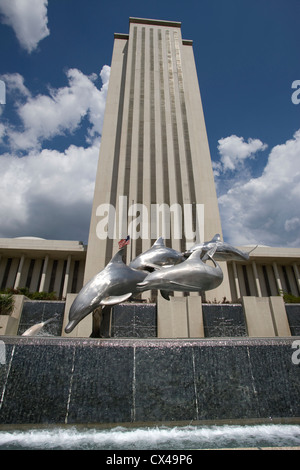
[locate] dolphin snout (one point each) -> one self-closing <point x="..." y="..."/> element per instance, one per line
<point x="70" y="326"/>
<point x="77" y="313"/>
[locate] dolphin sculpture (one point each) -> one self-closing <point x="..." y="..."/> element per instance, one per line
<point x="192" y="275"/>
<point x="114" y="284"/>
<point x="35" y="329"/>
<point x="158" y="255"/>
<point x="224" y="251"/>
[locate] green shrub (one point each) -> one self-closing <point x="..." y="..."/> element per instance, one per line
<point x="42" y="295"/>
<point x="291" y="299"/>
<point x="30" y="295"/>
<point x="6" y="304"/>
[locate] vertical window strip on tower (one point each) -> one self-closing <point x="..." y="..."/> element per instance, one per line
<point x="115" y="172"/>
<point x="140" y="169"/>
<point x="130" y="119"/>
<point x="164" y="147"/>
<point x="186" y="135"/>
<point x="152" y="125"/>
<point x="130" y="116"/>
<point x="175" y="132"/>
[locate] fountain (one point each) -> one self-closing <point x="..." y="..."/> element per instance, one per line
<point x="135" y="379"/>
<point x="224" y="320"/>
<point x="293" y="314"/>
<point x="73" y="380"/>
<point x="183" y="438"/>
<point x="36" y="311"/>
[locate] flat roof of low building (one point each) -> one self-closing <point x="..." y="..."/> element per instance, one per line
<point x="34" y="246"/>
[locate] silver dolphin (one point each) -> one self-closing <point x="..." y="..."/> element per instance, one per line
<point x="114" y="284"/>
<point x="158" y="255"/>
<point x="192" y="275"/>
<point x="35" y="329"/>
<point x="224" y="251"/>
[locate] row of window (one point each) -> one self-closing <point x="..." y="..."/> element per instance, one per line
<point x="290" y="282"/>
<point x="53" y="276"/>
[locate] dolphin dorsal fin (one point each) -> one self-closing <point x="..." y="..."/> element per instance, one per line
<point x="117" y="258"/>
<point x="195" y="255"/>
<point x="216" y="238"/>
<point x="159" y="242"/>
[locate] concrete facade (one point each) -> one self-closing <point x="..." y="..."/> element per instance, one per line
<point x="154" y="149"/>
<point x="154" y="153"/>
<point x="269" y="272"/>
<point x="9" y="323"/>
<point x="42" y="265"/>
<point x="257" y="283"/>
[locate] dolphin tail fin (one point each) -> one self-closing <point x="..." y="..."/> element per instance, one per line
<point x="210" y="254"/>
<point x="216" y="238"/>
<point x="248" y="253"/>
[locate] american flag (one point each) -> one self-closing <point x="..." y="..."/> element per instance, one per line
<point x="124" y="241"/>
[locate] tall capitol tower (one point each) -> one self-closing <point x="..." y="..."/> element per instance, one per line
<point x="154" y="174"/>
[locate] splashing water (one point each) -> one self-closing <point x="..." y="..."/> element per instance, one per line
<point x="176" y="438"/>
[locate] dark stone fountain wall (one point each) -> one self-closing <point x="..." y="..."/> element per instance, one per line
<point x="224" y="320"/>
<point x="37" y="311"/>
<point x="65" y="380"/>
<point x="293" y="314"/>
<point x="131" y="320"/>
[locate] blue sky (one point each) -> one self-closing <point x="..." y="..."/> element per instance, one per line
<point x="54" y="60"/>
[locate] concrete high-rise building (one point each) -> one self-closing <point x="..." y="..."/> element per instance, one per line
<point x="154" y="179"/>
<point x="154" y="174"/>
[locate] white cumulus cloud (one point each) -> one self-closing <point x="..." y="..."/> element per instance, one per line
<point x="234" y="150"/>
<point x="14" y="83"/>
<point x="59" y="112"/>
<point x="45" y="192"/>
<point x="48" y="193"/>
<point x="265" y="209"/>
<point x="28" y="18"/>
